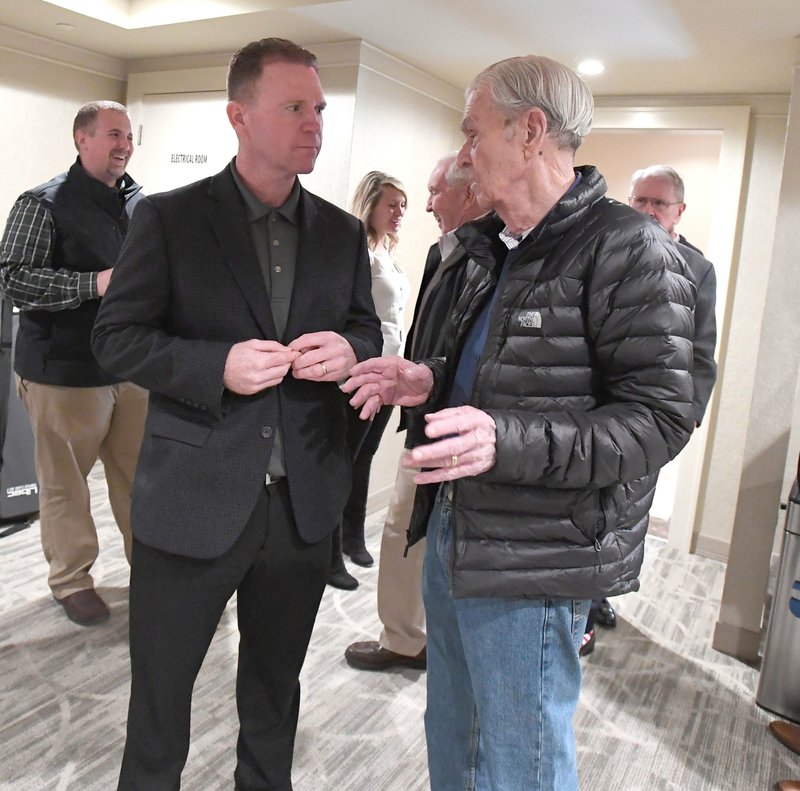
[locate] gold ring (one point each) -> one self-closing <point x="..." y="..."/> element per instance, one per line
<point x="453" y="460"/>
<point x="324" y="369"/>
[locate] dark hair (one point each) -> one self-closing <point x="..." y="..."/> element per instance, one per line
<point x="86" y="119"/>
<point x="247" y="64"/>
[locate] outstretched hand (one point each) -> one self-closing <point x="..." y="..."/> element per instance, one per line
<point x="388" y="380"/>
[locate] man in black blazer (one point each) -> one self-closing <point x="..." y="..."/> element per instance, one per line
<point x="239" y="302"/>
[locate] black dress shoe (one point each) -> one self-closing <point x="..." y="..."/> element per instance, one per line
<point x="371" y="655"/>
<point x="606" y="615"/>
<point x="361" y="557"/>
<point x="341" y="578"/>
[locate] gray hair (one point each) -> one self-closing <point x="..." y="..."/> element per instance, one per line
<point x="86" y="118"/>
<point x="518" y="84"/>
<point x="453" y="172"/>
<point x="661" y="172"/>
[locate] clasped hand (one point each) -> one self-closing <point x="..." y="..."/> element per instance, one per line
<point x="468" y="447"/>
<point x="254" y="365"/>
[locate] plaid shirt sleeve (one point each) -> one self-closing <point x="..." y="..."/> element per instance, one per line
<point x="26" y="254"/>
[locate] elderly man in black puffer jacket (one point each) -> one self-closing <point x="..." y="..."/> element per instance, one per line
<point x="566" y="386"/>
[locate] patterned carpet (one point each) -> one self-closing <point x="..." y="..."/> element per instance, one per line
<point x="660" y="709"/>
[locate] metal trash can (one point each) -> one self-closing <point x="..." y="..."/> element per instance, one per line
<point x="779" y="683"/>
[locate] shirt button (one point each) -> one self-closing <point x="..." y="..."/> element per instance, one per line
<point x="266" y="432"/>
<point x="278" y="269"/>
<point x="276" y="243"/>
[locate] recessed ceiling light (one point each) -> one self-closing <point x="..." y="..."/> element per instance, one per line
<point x="65" y="26"/>
<point x="589" y="68"/>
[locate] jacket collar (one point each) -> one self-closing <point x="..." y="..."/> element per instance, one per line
<point x="111" y="199"/>
<point x="481" y="238"/>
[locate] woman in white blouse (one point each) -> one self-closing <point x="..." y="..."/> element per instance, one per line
<point x="380" y="203"/>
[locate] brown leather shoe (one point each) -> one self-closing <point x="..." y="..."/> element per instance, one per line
<point x="788" y="785"/>
<point x="85" y="607"/>
<point x="371" y="655"/>
<point x="787" y="734"/>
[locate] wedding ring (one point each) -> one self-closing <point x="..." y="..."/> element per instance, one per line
<point x="324" y="369"/>
<point x="453" y="460"/>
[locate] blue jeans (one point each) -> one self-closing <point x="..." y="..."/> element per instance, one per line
<point x="503" y="682"/>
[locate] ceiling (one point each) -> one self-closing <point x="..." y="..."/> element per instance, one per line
<point x="648" y="46"/>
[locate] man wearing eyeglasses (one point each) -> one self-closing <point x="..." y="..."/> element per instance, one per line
<point x="658" y="191"/>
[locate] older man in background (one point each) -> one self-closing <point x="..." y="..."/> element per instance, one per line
<point x="658" y="191"/>
<point x="452" y="201"/>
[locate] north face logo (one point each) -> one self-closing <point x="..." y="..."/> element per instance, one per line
<point x="531" y="320"/>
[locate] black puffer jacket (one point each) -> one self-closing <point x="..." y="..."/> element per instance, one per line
<point x="586" y="372"/>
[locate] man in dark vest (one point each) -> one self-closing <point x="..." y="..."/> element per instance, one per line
<point x="57" y="254"/>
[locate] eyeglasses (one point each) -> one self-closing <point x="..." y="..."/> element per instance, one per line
<point x="641" y="203"/>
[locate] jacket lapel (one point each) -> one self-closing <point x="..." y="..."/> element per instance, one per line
<point x="228" y="219"/>
<point x="310" y="268"/>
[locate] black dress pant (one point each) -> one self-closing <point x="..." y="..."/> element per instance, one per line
<point x="175" y="606"/>
<point x="363" y="440"/>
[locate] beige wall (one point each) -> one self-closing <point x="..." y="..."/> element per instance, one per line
<point x="738" y="366"/>
<point x="38" y="101"/>
<point x="771" y="318"/>
<point x="695" y="155"/>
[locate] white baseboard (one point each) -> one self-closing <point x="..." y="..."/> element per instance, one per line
<point x="713" y="548"/>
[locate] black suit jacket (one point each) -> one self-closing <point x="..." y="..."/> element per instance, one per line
<point x="426" y="338"/>
<point x="186" y="288"/>
<point x="432" y="261"/>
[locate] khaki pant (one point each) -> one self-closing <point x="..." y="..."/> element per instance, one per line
<point x="400" y="606"/>
<point x="72" y="428"/>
